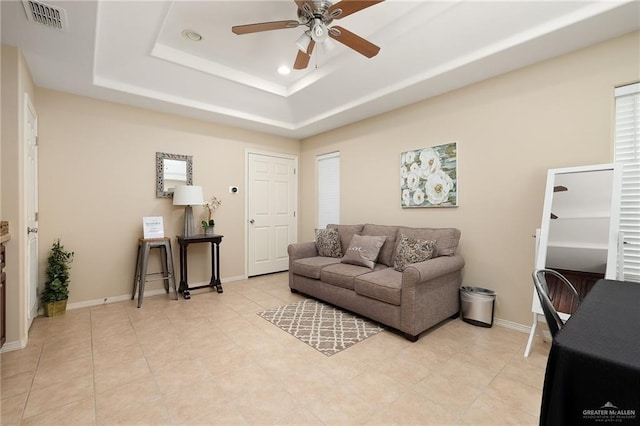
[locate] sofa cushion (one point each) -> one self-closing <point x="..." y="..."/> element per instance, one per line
<point x="384" y="285"/>
<point x="412" y="250"/>
<point x="363" y="250"/>
<point x="388" y="248"/>
<point x="342" y="274"/>
<point x="311" y="266"/>
<point x="328" y="242"/>
<point x="346" y="234"/>
<point x="446" y="238"/>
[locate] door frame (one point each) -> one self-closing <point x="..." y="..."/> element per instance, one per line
<point x="247" y="153"/>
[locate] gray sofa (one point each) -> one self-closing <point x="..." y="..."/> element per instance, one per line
<point x="412" y="301"/>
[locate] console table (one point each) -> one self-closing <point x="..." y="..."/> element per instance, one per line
<point x="215" y="282"/>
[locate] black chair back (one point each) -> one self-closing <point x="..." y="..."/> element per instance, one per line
<point x="550" y="313"/>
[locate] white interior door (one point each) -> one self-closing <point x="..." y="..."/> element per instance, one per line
<point x="271" y="212"/>
<point x="31" y="207"/>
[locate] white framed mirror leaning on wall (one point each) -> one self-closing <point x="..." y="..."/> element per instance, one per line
<point x="578" y="234"/>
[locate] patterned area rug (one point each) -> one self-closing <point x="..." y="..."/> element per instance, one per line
<point x="321" y="326"/>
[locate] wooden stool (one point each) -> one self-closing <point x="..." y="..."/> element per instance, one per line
<point x="140" y="278"/>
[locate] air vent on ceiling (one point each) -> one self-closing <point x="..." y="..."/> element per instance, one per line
<point x="41" y="13"/>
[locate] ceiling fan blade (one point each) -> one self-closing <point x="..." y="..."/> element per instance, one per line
<point x="302" y="59"/>
<point x="264" y="26"/>
<point x="347" y="7"/>
<point x="306" y="7"/>
<point x="353" y="41"/>
<point x="310" y="47"/>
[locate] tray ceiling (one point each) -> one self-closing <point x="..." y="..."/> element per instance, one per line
<point x="136" y="53"/>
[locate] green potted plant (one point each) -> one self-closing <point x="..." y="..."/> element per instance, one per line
<point x="56" y="287"/>
<point x="209" y="224"/>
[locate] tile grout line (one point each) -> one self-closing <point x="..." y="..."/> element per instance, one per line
<point x="35" y="371"/>
<point x="203" y="312"/>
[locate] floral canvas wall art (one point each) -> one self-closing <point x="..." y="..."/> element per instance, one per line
<point x="429" y="177"/>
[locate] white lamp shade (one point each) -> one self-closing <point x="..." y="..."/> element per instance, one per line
<point x="188" y="195"/>
<point x="303" y="42"/>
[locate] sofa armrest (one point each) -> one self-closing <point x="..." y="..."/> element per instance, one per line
<point x="430" y="293"/>
<point x="302" y="250"/>
<point x="431" y="269"/>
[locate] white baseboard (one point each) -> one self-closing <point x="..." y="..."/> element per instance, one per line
<point x="232" y="279"/>
<point x="521" y="327"/>
<point x="147" y="293"/>
<point x="13" y="346"/>
<point x="110" y="299"/>
<point x="512" y="325"/>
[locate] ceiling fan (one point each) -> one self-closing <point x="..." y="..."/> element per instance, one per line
<point x="317" y="16"/>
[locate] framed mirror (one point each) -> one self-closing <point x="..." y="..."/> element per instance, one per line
<point x="172" y="170"/>
<point x="578" y="235"/>
<point x="580" y="220"/>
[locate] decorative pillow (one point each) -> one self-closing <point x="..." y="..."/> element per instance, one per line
<point x="328" y="243"/>
<point x="412" y="250"/>
<point x="447" y="239"/>
<point x="363" y="250"/>
<point x="346" y="232"/>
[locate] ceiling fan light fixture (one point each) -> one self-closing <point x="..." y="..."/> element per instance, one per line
<point x="191" y="35"/>
<point x="303" y="41"/>
<point x="319" y="31"/>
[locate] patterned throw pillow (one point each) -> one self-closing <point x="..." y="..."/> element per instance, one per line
<point x="412" y="250"/>
<point x="328" y="243"/>
<point x="363" y="250"/>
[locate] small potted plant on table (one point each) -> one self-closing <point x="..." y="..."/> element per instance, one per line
<point x="56" y="287"/>
<point x="209" y="224"/>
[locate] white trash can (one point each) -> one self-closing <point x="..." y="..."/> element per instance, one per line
<point x="477" y="304"/>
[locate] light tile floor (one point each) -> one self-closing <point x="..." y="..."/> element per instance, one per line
<point x="212" y="360"/>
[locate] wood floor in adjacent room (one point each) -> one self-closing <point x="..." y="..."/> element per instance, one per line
<point x="212" y="360"/>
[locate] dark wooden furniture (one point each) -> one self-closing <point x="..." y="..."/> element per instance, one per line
<point x="3" y="294"/>
<point x="184" y="243"/>
<point x="561" y="297"/>
<point x="593" y="370"/>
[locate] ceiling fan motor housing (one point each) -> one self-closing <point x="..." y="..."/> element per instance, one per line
<point x="320" y="12"/>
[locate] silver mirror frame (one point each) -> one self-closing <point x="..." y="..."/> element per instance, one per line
<point x="160" y="157"/>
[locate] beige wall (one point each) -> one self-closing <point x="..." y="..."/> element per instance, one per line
<point x="97" y="181"/>
<point x="509" y="130"/>
<point x="16" y="81"/>
<point x="97" y="171"/>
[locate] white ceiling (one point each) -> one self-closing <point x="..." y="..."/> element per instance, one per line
<point x="133" y="52"/>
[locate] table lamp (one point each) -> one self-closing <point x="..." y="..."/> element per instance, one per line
<point x="187" y="196"/>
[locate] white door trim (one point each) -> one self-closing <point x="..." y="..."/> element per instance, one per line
<point x="30" y="296"/>
<point x="247" y="153"/>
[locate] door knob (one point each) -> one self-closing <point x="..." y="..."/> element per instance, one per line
<point x="252" y="221"/>
<point x="32" y="230"/>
